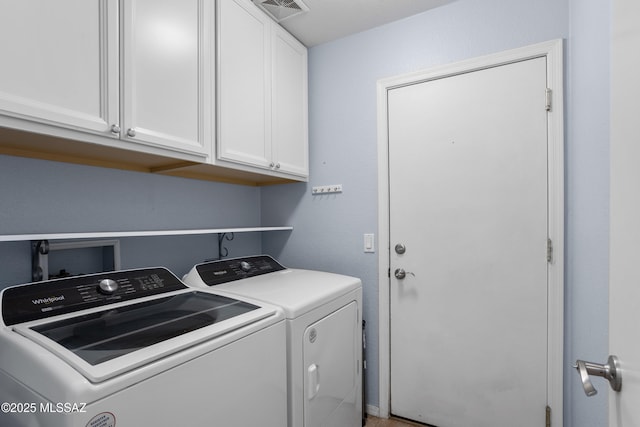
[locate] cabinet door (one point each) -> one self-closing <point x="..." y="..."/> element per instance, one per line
<point x="244" y="84"/>
<point x="289" y="114"/>
<point x="167" y="74"/>
<point x="60" y="62"/>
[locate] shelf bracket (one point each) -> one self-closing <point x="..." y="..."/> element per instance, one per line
<point x="222" y="250"/>
<point x="39" y="250"/>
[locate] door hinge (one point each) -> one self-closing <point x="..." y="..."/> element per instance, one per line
<point x="548" y="99"/>
<point x="549" y="250"/>
<point x="548" y="416"/>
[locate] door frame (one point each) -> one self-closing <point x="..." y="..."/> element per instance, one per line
<point x="553" y="51"/>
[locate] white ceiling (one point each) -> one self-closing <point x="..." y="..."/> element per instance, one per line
<point x="329" y="20"/>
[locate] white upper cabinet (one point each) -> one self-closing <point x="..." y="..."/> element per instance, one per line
<point x="262" y="92"/>
<point x="167" y="80"/>
<point x="289" y="100"/>
<point x="154" y="85"/>
<point x="60" y="62"/>
<point x="137" y="77"/>
<point x="244" y="75"/>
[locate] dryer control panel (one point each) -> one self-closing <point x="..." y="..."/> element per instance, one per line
<point x="52" y="297"/>
<point x="227" y="270"/>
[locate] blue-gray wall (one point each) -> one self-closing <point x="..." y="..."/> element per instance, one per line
<point x="587" y="204"/>
<point x="342" y="107"/>
<point x="40" y="196"/>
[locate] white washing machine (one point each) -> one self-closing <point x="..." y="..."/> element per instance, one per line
<point x="324" y="332"/>
<point x="139" y="348"/>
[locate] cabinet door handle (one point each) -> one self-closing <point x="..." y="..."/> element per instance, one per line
<point x="278" y="165"/>
<point x="115" y="129"/>
<point x="131" y="132"/>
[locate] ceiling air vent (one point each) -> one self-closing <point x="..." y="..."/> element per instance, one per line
<point x="282" y="9"/>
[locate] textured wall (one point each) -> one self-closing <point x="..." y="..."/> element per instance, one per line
<point x="587" y="205"/>
<point x="39" y="196"/>
<point x="343" y="74"/>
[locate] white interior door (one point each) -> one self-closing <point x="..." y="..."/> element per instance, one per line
<point x="468" y="201"/>
<point x="624" y="291"/>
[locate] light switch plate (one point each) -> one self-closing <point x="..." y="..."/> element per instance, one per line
<point x="369" y="243"/>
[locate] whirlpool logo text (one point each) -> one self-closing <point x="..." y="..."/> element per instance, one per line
<point x="47" y="300"/>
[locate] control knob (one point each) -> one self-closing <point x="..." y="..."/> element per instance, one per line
<point x="245" y="266"/>
<point x="107" y="286"/>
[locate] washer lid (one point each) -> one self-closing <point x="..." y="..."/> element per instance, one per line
<point x="139" y="318"/>
<point x="109" y="342"/>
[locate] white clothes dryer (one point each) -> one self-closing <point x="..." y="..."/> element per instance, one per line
<point x="324" y="332"/>
<point x="139" y="348"/>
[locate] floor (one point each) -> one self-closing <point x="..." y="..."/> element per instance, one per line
<point x="379" y="422"/>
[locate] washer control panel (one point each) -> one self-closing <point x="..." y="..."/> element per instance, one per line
<point x="227" y="270"/>
<point x="40" y="300"/>
<point x="107" y="286"/>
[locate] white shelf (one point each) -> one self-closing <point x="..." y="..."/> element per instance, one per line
<point x="113" y="234"/>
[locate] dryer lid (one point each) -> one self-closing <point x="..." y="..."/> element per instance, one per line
<point x="296" y="291"/>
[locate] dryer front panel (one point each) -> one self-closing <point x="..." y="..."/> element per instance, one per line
<point x="330" y="352"/>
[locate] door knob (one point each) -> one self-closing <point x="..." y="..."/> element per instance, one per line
<point x="609" y="371"/>
<point x="399" y="273"/>
<point x="400" y="248"/>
